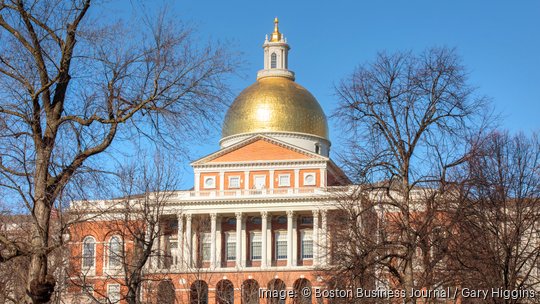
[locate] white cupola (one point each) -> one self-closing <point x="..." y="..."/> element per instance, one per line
<point x="276" y="59"/>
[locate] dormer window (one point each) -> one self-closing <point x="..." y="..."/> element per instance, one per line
<point x="273" y="61"/>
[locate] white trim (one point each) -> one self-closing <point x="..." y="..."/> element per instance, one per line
<point x="288" y="183"/>
<point x="109" y="287"/>
<point x="88" y="270"/>
<point x="209" y="178"/>
<point x="306" y="175"/>
<point x="233" y="177"/>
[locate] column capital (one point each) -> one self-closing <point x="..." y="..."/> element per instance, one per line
<point x="238" y="215"/>
<point x="315" y="212"/>
<point x="213" y="216"/>
<point x="290" y="213"/>
<point x="264" y="215"/>
<point x="188" y="216"/>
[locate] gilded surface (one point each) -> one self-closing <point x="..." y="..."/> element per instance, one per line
<point x="275" y="104"/>
<point x="276" y="35"/>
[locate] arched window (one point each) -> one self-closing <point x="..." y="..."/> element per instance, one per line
<point x="225" y="292"/>
<point x="250" y="292"/>
<point x="89" y="252"/>
<point x="298" y="286"/>
<point x="198" y="293"/>
<point x="166" y="293"/>
<point x="277" y="286"/>
<point x="115" y="252"/>
<point x="273" y="61"/>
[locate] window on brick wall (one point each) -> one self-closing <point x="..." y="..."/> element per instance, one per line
<point x="281" y="245"/>
<point x="234" y="182"/>
<point x="115" y="252"/>
<point x="284" y="180"/>
<point x="306" y="237"/>
<point x="230" y="246"/>
<point x="256" y="245"/>
<point x="113" y="293"/>
<point x="206" y="244"/>
<point x="89" y="252"/>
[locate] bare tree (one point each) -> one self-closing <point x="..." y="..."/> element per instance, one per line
<point x="499" y="233"/>
<point x="134" y="224"/>
<point x="408" y="118"/>
<point x="72" y="85"/>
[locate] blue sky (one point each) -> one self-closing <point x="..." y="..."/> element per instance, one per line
<point x="499" y="42"/>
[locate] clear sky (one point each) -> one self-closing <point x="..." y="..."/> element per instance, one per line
<point x="499" y="42"/>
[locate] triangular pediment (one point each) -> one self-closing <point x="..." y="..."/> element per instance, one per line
<point x="259" y="148"/>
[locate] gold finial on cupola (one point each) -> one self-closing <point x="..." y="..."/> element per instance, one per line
<point x="276" y="35"/>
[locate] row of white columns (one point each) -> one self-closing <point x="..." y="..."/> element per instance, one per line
<point x="186" y="252"/>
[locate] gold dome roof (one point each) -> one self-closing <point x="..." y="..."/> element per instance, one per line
<point x="275" y="104"/>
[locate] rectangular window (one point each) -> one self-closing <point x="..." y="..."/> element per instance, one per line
<point x="113" y="293"/>
<point x="256" y="246"/>
<point x="281" y="245"/>
<point x="234" y="182"/>
<point x="307" y="244"/>
<point x="284" y="180"/>
<point x="230" y="250"/>
<point x="205" y="246"/>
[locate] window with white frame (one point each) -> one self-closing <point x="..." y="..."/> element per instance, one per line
<point x="206" y="244"/>
<point x="306" y="237"/>
<point x="209" y="182"/>
<point x="230" y="246"/>
<point x="115" y="252"/>
<point x="281" y="245"/>
<point x="89" y="252"/>
<point x="284" y="180"/>
<point x="256" y="245"/>
<point x="309" y="179"/>
<point x="113" y="293"/>
<point x="234" y="182"/>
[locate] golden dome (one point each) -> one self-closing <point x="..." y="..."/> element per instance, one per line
<point x="275" y="104"/>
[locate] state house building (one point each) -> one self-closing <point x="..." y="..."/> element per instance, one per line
<point x="257" y="217"/>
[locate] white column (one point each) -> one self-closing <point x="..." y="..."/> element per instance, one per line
<point x="246" y="180"/>
<point x="179" y="247"/>
<point x="238" y="238"/>
<point x="161" y="249"/>
<point x="295" y="241"/>
<point x="271" y="184"/>
<point x="315" y="237"/>
<point x="324" y="239"/>
<point x="322" y="178"/>
<point x="213" y="218"/>
<point x="244" y="243"/>
<point x="197" y="181"/>
<point x="264" y="240"/>
<point x="296" y="178"/>
<point x="221" y="181"/>
<point x="148" y="237"/>
<point x="218" y="242"/>
<point x="290" y="217"/>
<point x="269" y="242"/>
<point x="188" y="254"/>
